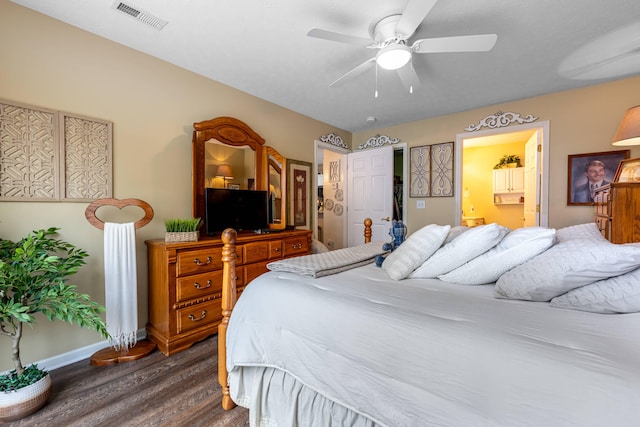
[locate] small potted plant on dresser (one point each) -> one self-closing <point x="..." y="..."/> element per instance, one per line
<point x="33" y="279"/>
<point x="182" y="230"/>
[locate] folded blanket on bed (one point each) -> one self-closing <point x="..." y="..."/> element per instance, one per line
<point x="332" y="262"/>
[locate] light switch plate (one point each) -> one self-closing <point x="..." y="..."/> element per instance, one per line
<point x="420" y="204"/>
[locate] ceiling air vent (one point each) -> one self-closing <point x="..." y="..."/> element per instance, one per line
<point x="140" y="15"/>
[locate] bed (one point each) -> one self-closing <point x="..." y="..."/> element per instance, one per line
<point x="548" y="338"/>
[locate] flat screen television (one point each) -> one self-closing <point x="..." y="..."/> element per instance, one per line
<point x="237" y="209"/>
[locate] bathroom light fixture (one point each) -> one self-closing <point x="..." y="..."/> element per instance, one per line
<point x="629" y="130"/>
<point x="393" y="56"/>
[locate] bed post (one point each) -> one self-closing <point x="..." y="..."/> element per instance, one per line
<point x="367" y="230"/>
<point x="228" y="301"/>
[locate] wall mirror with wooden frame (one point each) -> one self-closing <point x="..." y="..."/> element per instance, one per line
<point x="276" y="184"/>
<point x="227" y="153"/>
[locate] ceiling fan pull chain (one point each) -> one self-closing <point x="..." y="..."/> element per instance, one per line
<point x="375" y="94"/>
<point x="412" y="77"/>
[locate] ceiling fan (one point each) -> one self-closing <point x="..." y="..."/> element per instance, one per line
<point x="391" y="34"/>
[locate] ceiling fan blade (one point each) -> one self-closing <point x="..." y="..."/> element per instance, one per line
<point x="413" y="15"/>
<point x="476" y="43"/>
<point x="409" y="77"/>
<point x="354" y="72"/>
<point x="338" y="37"/>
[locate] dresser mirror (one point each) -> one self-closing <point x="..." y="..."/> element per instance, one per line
<point x="227" y="153"/>
<point x="231" y="167"/>
<point x="276" y="184"/>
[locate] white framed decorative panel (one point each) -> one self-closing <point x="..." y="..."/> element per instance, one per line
<point x="47" y="155"/>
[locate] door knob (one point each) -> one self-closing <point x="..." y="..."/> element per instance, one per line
<point x="385" y="219"/>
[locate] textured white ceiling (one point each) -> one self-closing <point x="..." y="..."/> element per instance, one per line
<point x="261" y="47"/>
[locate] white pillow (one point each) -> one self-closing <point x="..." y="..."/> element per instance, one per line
<point x="455" y="232"/>
<point x="413" y="251"/>
<point x="515" y="248"/>
<point x="463" y="248"/>
<point x="317" y="247"/>
<point x="620" y="294"/>
<point x="581" y="231"/>
<point x="566" y="266"/>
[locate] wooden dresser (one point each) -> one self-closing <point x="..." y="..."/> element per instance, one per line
<point x="617" y="209"/>
<point x="185" y="282"/>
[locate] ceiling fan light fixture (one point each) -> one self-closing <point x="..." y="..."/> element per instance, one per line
<point x="393" y="56"/>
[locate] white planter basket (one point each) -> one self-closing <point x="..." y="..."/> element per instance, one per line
<point x="15" y="405"/>
<point x="186" y="236"/>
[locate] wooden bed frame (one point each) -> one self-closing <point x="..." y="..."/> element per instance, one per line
<point x="229" y="296"/>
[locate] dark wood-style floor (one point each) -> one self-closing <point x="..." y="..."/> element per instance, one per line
<point x="181" y="390"/>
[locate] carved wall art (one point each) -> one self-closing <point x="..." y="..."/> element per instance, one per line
<point x="47" y="155"/>
<point x="499" y="120"/>
<point x="335" y="140"/>
<point x="378" y="141"/>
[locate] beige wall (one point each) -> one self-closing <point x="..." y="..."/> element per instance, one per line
<point x="152" y="105"/>
<point x="580" y="121"/>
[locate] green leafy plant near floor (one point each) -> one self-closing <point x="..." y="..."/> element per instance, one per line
<point x="506" y="159"/>
<point x="13" y="381"/>
<point x="182" y="225"/>
<point x="33" y="279"/>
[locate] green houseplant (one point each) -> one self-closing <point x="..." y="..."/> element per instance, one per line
<point x="33" y="279"/>
<point x="182" y="229"/>
<point x="507" y="160"/>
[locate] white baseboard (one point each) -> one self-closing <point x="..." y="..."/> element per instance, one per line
<point x="79" y="354"/>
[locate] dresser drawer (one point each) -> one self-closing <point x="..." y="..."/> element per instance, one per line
<point x="275" y="249"/>
<point x="254" y="252"/>
<point x="252" y="271"/>
<point x="198" y="261"/>
<point x="261" y="251"/>
<point x="295" y="245"/>
<point x="201" y="260"/>
<point x="198" y="315"/>
<point x="198" y="285"/>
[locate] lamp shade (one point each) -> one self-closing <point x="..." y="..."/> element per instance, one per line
<point x="393" y="56"/>
<point x="224" y="171"/>
<point x="629" y="130"/>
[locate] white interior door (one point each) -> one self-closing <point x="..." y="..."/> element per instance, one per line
<point x="370" y="193"/>
<point x="532" y="180"/>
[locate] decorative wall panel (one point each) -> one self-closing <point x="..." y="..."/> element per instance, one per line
<point x="442" y="170"/>
<point x="431" y="170"/>
<point x="29" y="165"/>
<point x="420" y="184"/>
<point x="87" y="158"/>
<point x="47" y="155"/>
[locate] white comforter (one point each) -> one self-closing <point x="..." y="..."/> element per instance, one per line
<point x="422" y="352"/>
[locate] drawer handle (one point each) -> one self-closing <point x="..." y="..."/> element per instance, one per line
<point x="198" y="262"/>
<point x="276" y="249"/>
<point x="202" y="316"/>
<point x="297" y="246"/>
<point x="199" y="286"/>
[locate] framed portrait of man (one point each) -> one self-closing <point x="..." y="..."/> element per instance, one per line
<point x="590" y="171"/>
